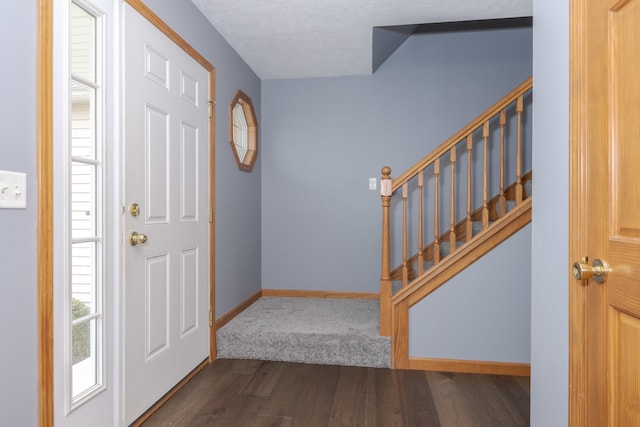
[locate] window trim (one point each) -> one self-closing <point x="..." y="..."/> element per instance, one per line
<point x="249" y="160"/>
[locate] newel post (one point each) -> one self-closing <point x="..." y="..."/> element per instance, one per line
<point x="385" y="278"/>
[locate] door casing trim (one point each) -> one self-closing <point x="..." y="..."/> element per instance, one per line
<point x="44" y="178"/>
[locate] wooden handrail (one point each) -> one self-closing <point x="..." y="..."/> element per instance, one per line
<point x="479" y="121"/>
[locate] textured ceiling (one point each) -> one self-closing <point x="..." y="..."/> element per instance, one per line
<point x="321" y="38"/>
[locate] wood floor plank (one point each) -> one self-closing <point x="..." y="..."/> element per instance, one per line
<point x="272" y="422"/>
<point x="449" y="400"/>
<point x="497" y="408"/>
<point x="350" y="400"/>
<point x="265" y="379"/>
<point x="205" y="394"/>
<point x="417" y="401"/>
<point x="472" y="400"/>
<point x="515" y="398"/>
<point x="383" y="399"/>
<point x="255" y="393"/>
<point x="305" y="394"/>
<point x="525" y="383"/>
<point x="311" y="406"/>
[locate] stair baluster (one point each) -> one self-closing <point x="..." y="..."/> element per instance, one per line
<point x="501" y="199"/>
<point x="452" y="201"/>
<point x="485" y="176"/>
<point x="436" y="227"/>
<point x="469" y="225"/>
<point x="405" y="267"/>
<point x="519" y="107"/>
<point x="420" y="223"/>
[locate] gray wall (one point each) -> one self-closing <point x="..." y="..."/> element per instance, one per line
<point x="18" y="301"/>
<point x="322" y="138"/>
<point x="486" y="309"/>
<point x="237" y="192"/>
<point x="550" y="273"/>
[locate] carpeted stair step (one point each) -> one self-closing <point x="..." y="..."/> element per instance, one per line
<point x="445" y="248"/>
<point x="396" y="286"/>
<point x="528" y="188"/>
<point x="327" y="331"/>
<point x="476" y="227"/>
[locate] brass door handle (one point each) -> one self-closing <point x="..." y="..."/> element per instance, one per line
<point x="598" y="269"/>
<point x="137" y="238"/>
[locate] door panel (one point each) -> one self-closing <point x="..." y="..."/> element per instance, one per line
<point x="189" y="172"/>
<point x="624" y="333"/>
<point x="157" y="305"/>
<point x="625" y="93"/>
<point x="166" y="156"/>
<point x="189" y="288"/>
<point x="156" y="155"/>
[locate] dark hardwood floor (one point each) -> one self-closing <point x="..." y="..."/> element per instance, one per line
<point x="254" y="393"/>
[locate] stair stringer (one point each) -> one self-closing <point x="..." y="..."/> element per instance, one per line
<point x="448" y="268"/>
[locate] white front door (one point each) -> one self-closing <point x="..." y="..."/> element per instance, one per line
<point x="166" y="172"/>
<point x="85" y="105"/>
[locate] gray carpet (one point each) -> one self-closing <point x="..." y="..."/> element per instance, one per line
<point x="307" y="330"/>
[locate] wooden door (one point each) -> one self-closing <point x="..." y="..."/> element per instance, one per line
<point x="166" y="174"/>
<point x="605" y="212"/>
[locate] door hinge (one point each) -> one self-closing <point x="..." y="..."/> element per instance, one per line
<point x="211" y="319"/>
<point x="210" y="109"/>
<point x="210" y="215"/>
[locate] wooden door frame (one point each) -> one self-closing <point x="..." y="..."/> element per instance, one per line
<point x="578" y="356"/>
<point x="44" y="179"/>
<point x="44" y="170"/>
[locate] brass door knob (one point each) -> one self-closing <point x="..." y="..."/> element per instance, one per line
<point x="598" y="270"/>
<point x="137" y="238"/>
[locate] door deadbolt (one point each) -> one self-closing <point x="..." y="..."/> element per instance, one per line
<point x="134" y="209"/>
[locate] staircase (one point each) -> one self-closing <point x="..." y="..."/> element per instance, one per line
<point x="453" y="206"/>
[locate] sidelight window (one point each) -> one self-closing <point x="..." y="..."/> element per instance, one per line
<point x="85" y="252"/>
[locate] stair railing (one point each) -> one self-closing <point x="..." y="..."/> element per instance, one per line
<point x="490" y="207"/>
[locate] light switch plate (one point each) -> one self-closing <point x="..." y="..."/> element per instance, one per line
<point x="373" y="183"/>
<point x="13" y="190"/>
